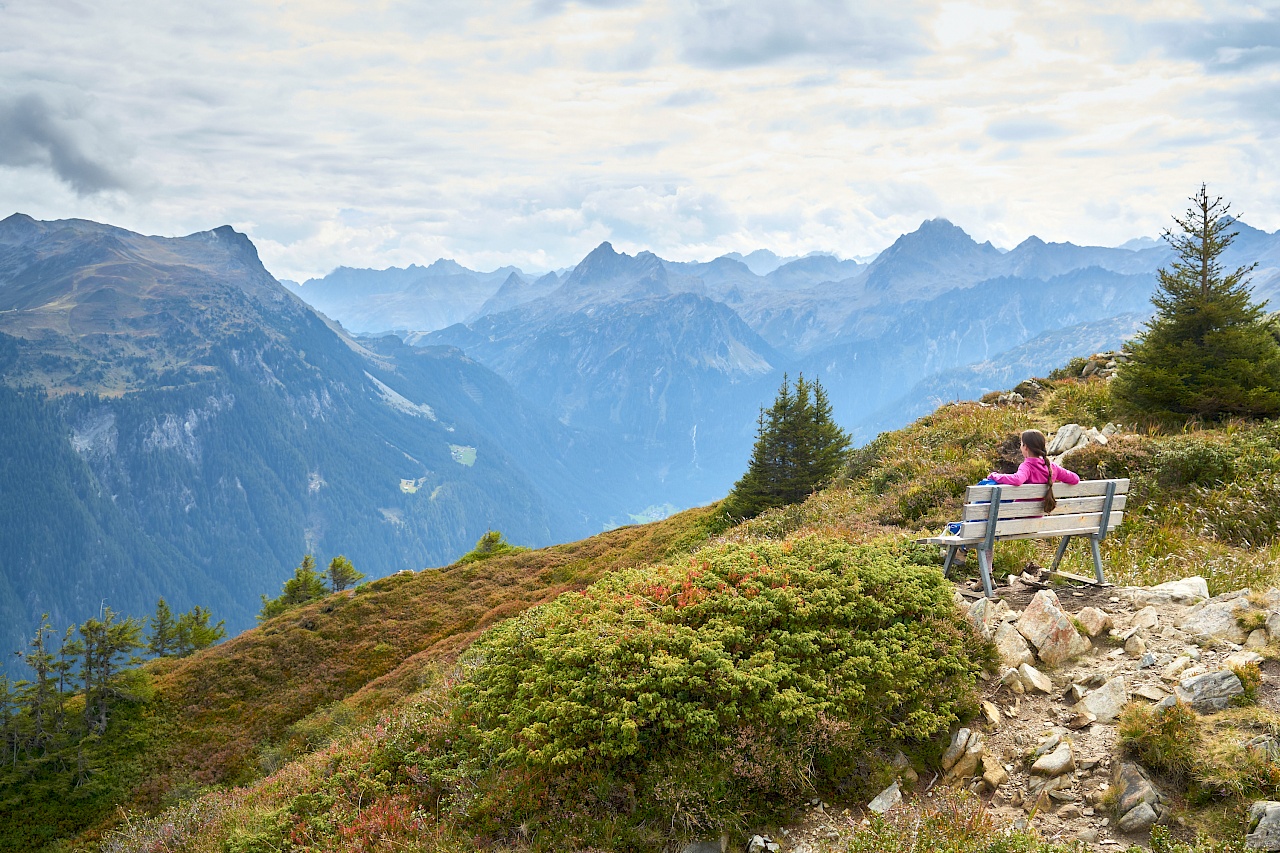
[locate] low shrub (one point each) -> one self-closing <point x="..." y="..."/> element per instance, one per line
<point x="1163" y="739"/>
<point x="1086" y="402"/>
<point x="1245" y="512"/>
<point x="703" y="695"/>
<point x="1162" y="841"/>
<point x="1250" y="675"/>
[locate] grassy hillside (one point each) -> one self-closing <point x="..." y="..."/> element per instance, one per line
<point x="355" y="724"/>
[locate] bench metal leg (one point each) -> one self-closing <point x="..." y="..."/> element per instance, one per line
<point x="946" y="564"/>
<point x="984" y="565"/>
<point x="1062" y="549"/>
<point x="1097" y="559"/>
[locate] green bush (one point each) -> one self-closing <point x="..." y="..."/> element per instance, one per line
<point x="1194" y="460"/>
<point x="702" y="695"/>
<point x="1165" y="740"/>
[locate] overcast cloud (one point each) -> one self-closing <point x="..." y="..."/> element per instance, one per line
<point x="337" y="132"/>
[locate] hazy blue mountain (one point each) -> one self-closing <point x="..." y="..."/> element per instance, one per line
<point x="516" y="290"/>
<point x="906" y="343"/>
<point x="178" y="424"/>
<point x="623" y="347"/>
<point x="1037" y="357"/>
<point x="413" y="298"/>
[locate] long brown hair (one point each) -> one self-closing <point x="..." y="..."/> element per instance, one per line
<point x="1035" y="444"/>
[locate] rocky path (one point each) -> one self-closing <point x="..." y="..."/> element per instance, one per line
<point x="1045" y="751"/>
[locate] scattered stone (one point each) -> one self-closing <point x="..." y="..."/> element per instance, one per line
<point x="1263" y="747"/>
<point x="1106" y="702"/>
<point x="1013" y="649"/>
<point x="1175" y="667"/>
<point x="992" y="773"/>
<point x="990" y="713"/>
<point x="1055" y="763"/>
<point x="1047" y="627"/>
<point x="965" y="766"/>
<point x="1257" y="639"/>
<point x="1242" y="658"/>
<point x="1014" y="682"/>
<point x="1146" y="618"/>
<point x="1273" y="626"/>
<point x="1088" y="836"/>
<point x="1147" y="661"/>
<point x="1185" y="592"/>
<point x="1094" y="621"/>
<point x="986" y="614"/>
<point x="959" y="741"/>
<point x="1075" y="693"/>
<point x="1150" y="692"/>
<point x="1034" y="680"/>
<point x="1209" y="692"/>
<point x="1069" y="812"/>
<point x="1066" y="438"/>
<point x="1081" y="720"/>
<point x="1135" y="645"/>
<point x="1264" y="826"/>
<point x="885" y="800"/>
<point x="1217" y="618"/>
<point x="1139" y="799"/>
<point x="1137" y="819"/>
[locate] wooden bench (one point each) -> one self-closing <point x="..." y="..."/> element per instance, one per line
<point x="1092" y="508"/>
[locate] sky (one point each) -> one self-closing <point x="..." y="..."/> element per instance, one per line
<point x="372" y="134"/>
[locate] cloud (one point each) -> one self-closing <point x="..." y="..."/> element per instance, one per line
<point x="1221" y="45"/>
<point x="735" y="33"/>
<point x="35" y="133"/>
<point x="1024" y="129"/>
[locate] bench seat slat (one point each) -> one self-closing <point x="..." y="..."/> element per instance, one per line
<point x="1026" y="509"/>
<point x="1048" y="525"/>
<point x="1034" y="534"/>
<point x="1084" y="489"/>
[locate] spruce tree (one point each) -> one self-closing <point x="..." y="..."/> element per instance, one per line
<point x="798" y="449"/>
<point x="305" y="585"/>
<point x="341" y="574"/>
<point x="1209" y="351"/>
<point x="195" y="633"/>
<point x="164" y="631"/>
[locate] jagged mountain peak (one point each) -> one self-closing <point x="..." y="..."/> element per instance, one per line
<point x="447" y="266"/>
<point x="606" y="275"/>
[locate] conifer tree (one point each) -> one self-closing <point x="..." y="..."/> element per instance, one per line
<point x="164" y="631"/>
<point x="305" y="585"/>
<point x="1210" y="350"/>
<point x="193" y="631"/>
<point x="108" y="644"/>
<point x="798" y="449"/>
<point x="341" y="574"/>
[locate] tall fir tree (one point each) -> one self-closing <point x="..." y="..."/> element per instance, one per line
<point x="798" y="449"/>
<point x="1210" y="351"/>
<point x="164" y="631"/>
<point x="194" y="632"/>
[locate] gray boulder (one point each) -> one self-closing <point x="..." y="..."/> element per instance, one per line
<point x="1067" y="437"/>
<point x="1139" y="804"/>
<point x="886" y="799"/>
<point x="1187" y="591"/>
<point x="1218" y="619"/>
<point x="1209" y="692"/>
<point x="1264" y="826"/>
<point x="1105" y="703"/>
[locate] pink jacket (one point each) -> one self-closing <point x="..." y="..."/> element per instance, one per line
<point x="1033" y="470"/>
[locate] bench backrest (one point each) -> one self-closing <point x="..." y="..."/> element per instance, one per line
<point x="1020" y="513"/>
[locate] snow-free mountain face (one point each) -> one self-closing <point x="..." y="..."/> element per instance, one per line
<point x="178" y="424"/>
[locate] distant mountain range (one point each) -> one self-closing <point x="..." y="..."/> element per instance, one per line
<point x="179" y="423"/>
